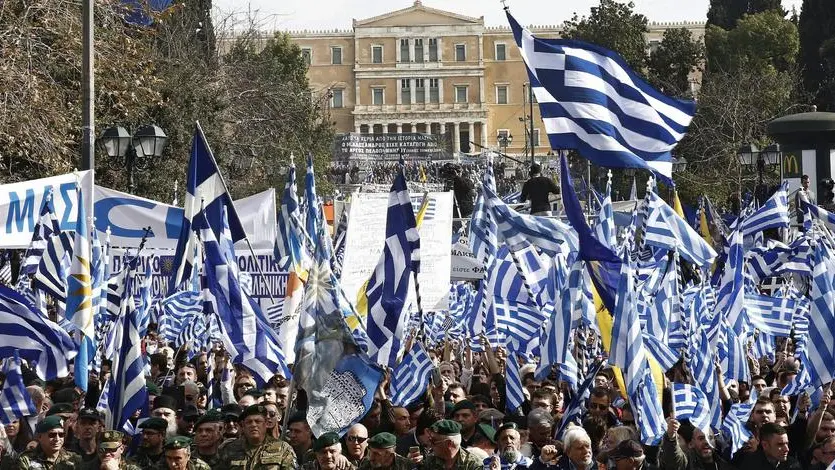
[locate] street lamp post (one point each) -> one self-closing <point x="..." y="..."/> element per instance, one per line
<point x="504" y="141"/>
<point x="147" y="141"/>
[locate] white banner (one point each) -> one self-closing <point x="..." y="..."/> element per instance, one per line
<point x="20" y="205"/>
<point x="366" y="235"/>
<point x="465" y="267"/>
<point x="127" y="215"/>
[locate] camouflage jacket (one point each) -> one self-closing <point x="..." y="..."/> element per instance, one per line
<point x="36" y="460"/>
<point x="400" y="463"/>
<point x="193" y="464"/>
<point x="273" y="454"/>
<point x="341" y="464"/>
<point x="463" y="461"/>
<point x="212" y="460"/>
<point x="95" y="464"/>
<point x="145" y="460"/>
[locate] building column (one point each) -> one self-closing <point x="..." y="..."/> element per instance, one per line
<point x="413" y="90"/>
<point x="484" y="134"/>
<point x="399" y="127"/>
<point x="471" y="136"/>
<point x="385" y="128"/>
<point x="357" y="128"/>
<point x="414" y="127"/>
<point x="456" y="137"/>
<point x="442" y="128"/>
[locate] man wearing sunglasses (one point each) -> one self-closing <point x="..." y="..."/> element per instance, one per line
<point x="110" y="453"/>
<point x="356" y="443"/>
<point x="49" y="452"/>
<point x="255" y="449"/>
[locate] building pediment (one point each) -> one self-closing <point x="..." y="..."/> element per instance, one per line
<point x="418" y="15"/>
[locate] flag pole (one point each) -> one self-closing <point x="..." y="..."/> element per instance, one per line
<point x="226" y="188"/>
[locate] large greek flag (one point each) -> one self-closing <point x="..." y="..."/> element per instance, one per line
<point x="15" y="401"/>
<point x="411" y="377"/>
<point x="591" y="101"/>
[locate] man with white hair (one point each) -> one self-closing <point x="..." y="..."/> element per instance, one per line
<point x="576" y="456"/>
<point x="447" y="452"/>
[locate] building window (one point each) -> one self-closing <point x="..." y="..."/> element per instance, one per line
<point x="460" y="52"/>
<point x="418" y="50"/>
<point x="501" y="52"/>
<point x="461" y="93"/>
<point x="405" y="91"/>
<point x="336" y="98"/>
<point x="307" y="55"/>
<point x="433" y="50"/>
<point x="434" y="90"/>
<point x="377" y="96"/>
<point x="501" y="134"/>
<point x="336" y="55"/>
<point x="376" y="54"/>
<point x="536" y="138"/>
<point x="404" y="50"/>
<point x="501" y="94"/>
<point x="420" y="91"/>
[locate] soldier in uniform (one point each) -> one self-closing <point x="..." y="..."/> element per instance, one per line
<point x="87" y="426"/>
<point x="110" y="454"/>
<point x="381" y="454"/>
<point x="447" y="451"/>
<point x="153" y="437"/>
<point x="254" y="449"/>
<point x="208" y="435"/>
<point x="327" y="452"/>
<point x="178" y="456"/>
<point x="49" y="453"/>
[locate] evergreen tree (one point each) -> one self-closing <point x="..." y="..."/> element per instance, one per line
<point x="725" y="13"/>
<point x="817" y="29"/>
<point x="615" y="26"/>
<point x="676" y="58"/>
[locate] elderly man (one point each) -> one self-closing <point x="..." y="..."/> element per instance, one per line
<point x="540" y="431"/>
<point x="178" y="456"/>
<point x="153" y="439"/>
<point x="254" y="449"/>
<point x="165" y="407"/>
<point x="381" y="454"/>
<point x="328" y="452"/>
<point x="577" y="456"/>
<point x="447" y="452"/>
<point x="699" y="454"/>
<point x="356" y="442"/>
<point x="208" y="435"/>
<point x="508" y="449"/>
<point x="49" y="452"/>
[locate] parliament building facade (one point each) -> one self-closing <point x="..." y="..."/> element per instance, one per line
<point x="424" y="70"/>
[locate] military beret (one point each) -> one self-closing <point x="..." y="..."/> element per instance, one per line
<point x="154" y="424"/>
<point x="297" y="417"/>
<point x="325" y="440"/>
<point x="110" y="439"/>
<point x="446" y="427"/>
<point x="232" y="410"/>
<point x="463" y="405"/>
<point x="254" y="393"/>
<point x="165" y="401"/>
<point x="211" y="416"/>
<point x="488" y="432"/>
<point x="490" y="414"/>
<point x="49" y="423"/>
<point x="59" y="408"/>
<point x="627" y="449"/>
<point x="384" y="440"/>
<point x="189" y="411"/>
<point x="65" y="395"/>
<point x="252" y="410"/>
<point x="89" y="413"/>
<point x="152" y="388"/>
<point x="177" y="442"/>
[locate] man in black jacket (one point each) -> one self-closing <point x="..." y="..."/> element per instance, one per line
<point x="773" y="453"/>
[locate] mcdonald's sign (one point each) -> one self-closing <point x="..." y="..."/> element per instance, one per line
<point x="792" y="165"/>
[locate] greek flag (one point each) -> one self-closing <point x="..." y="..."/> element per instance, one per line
<point x="776" y="259"/>
<point x="660" y="306"/>
<point x="388" y="287"/>
<point x="205" y="194"/>
<point x="820" y="214"/>
<point x="733" y="354"/>
<point x="730" y="298"/>
<point x="605" y="228"/>
<point x="592" y="102"/>
<point x="771" y="315"/>
<point x="15" y="402"/>
<point x="126" y="391"/>
<point x="557" y="334"/>
<point x="666" y="229"/>
<point x="515" y="395"/>
<point x="178" y="310"/>
<point x="734" y="424"/>
<point x="46" y="227"/>
<point x="691" y="404"/>
<point x="36" y="338"/>
<point x="773" y="214"/>
<point x="144" y="310"/>
<point x="664" y="354"/>
<point x="576" y="407"/>
<point x="704" y="375"/>
<point x="339" y="243"/>
<point x="411" y="377"/>
<point x="513" y="198"/>
<point x="51" y="275"/>
<point x="821" y="344"/>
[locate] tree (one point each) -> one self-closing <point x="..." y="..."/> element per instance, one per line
<point x="725" y="13"/>
<point x="817" y="28"/>
<point x="676" y="58"/>
<point x="763" y="42"/>
<point x="615" y="26"/>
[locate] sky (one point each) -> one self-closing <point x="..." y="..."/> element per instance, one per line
<point x="329" y="14"/>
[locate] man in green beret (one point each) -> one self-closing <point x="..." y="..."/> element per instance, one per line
<point x="178" y="456"/>
<point x="447" y="451"/>
<point x="381" y="454"/>
<point x="328" y="452"/>
<point x="110" y="453"/>
<point x="254" y="449"/>
<point x="208" y="435"/>
<point x="153" y="438"/>
<point x="465" y="414"/>
<point x="49" y="453"/>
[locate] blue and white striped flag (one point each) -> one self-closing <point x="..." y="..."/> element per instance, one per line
<point x="605" y="228"/>
<point x="51" y="275"/>
<point x="774" y="213"/>
<point x="735" y="427"/>
<point x="691" y="403"/>
<point x="704" y="375"/>
<point x="144" y="310"/>
<point x="821" y="344"/>
<point x="514" y="393"/>
<point x="665" y="229"/>
<point x="411" y="377"/>
<point x="771" y="315"/>
<point x="591" y="101"/>
<point x="815" y="212"/>
<point x="776" y="259"/>
<point x="15" y="401"/>
<point x="577" y="406"/>
<point x="46" y="227"/>
<point x="733" y="354"/>
<point x="178" y="309"/>
<point x="664" y="354"/>
<point x="731" y="294"/>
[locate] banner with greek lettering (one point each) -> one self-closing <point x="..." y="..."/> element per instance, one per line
<point x="127" y="216"/>
<point x="465" y="266"/>
<point x="366" y="235"/>
<point x="21" y="202"/>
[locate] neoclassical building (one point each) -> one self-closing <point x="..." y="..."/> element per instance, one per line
<point x="420" y="69"/>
